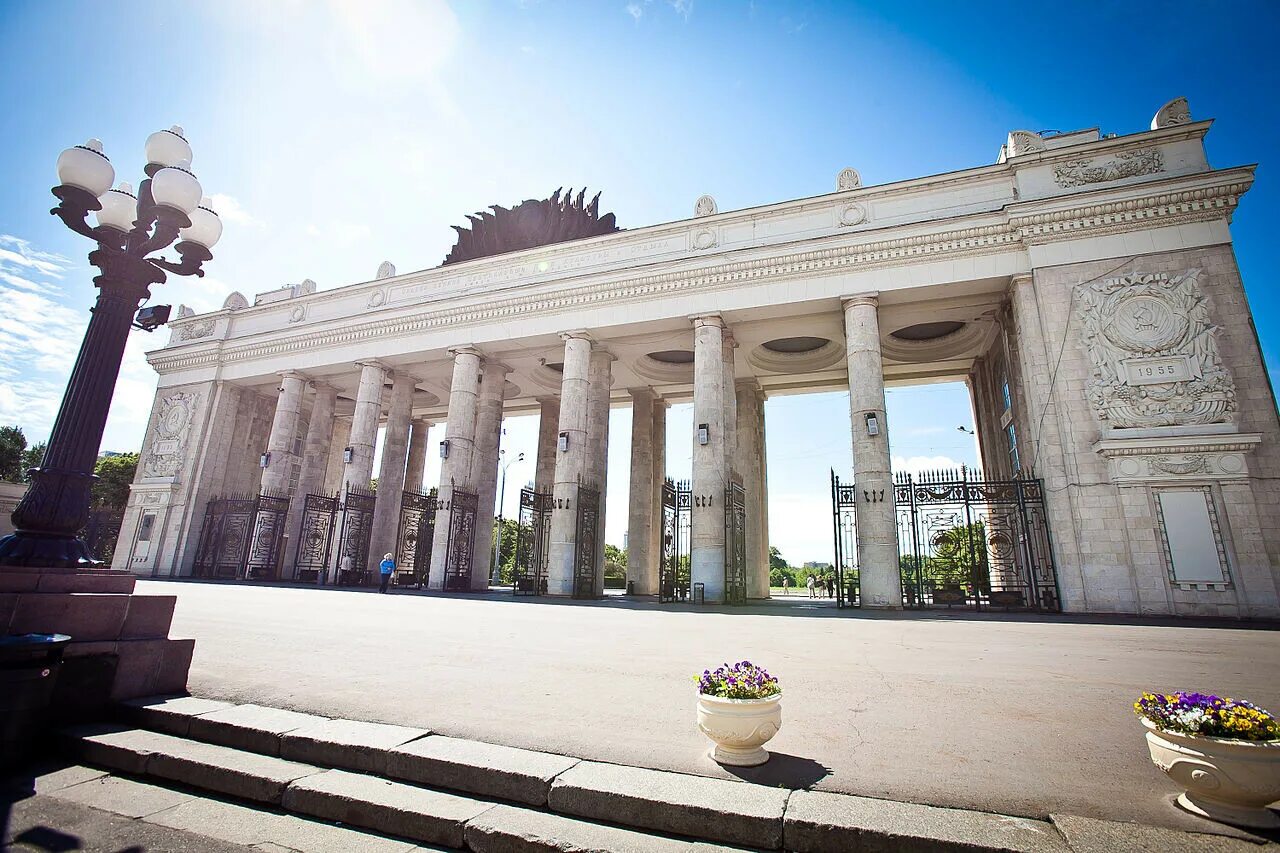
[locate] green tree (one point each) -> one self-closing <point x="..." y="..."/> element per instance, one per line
<point x="115" y="473"/>
<point x="777" y="573"/>
<point x="31" y="458"/>
<point x="959" y="556"/>
<point x="615" y="566"/>
<point x="776" y="560"/>
<point x="510" y="540"/>
<point x="12" y="445"/>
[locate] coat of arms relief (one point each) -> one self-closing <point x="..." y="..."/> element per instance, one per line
<point x="1154" y="356"/>
<point x="168" y="445"/>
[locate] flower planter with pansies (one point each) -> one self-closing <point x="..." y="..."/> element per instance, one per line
<point x="740" y="709"/>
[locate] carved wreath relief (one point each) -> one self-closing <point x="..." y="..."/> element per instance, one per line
<point x="1128" y="164"/>
<point x="1155" y="359"/>
<point x="168" y="446"/>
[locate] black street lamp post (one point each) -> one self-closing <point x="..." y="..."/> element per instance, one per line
<point x="168" y="206"/>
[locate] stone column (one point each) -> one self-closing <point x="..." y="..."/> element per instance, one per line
<point x="315" y="459"/>
<point x="879" y="577"/>
<point x="544" y="477"/>
<point x="709" y="473"/>
<point x="455" y="469"/>
<point x="656" y="547"/>
<point x="570" y="463"/>
<point x="391" y="472"/>
<point x="358" y="472"/>
<point x="641" y="565"/>
<point x="730" y="408"/>
<point x="284" y="429"/>
<point x="335" y="467"/>
<point x="484" y="468"/>
<point x="599" y="383"/>
<point x="364" y="425"/>
<point x="417" y="464"/>
<point x="764" y="503"/>
<point x="750" y="449"/>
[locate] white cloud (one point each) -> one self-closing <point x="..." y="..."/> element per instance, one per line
<point x="233" y="212"/>
<point x="682" y="7"/>
<point x="636" y="11"/>
<point x="342" y="234"/>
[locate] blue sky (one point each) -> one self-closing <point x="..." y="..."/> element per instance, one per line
<point x="335" y="135"/>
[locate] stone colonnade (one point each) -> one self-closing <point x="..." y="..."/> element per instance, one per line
<point x="728" y="444"/>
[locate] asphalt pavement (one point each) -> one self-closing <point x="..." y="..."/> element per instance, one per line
<point x="1017" y="714"/>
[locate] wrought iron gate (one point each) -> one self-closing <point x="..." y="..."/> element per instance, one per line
<point x="677" y="532"/>
<point x="266" y="547"/>
<point x="533" y="543"/>
<point x="462" y="510"/>
<point x="965" y="540"/>
<point x="414" y="539"/>
<point x="353" y="544"/>
<point x="101" y="531"/>
<point x="588" y="529"/>
<point x="962" y="540"/>
<point x="315" y="538"/>
<point x="735" y="543"/>
<point x="844" y="511"/>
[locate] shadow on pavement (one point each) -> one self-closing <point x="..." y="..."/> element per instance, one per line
<point x="783" y="770"/>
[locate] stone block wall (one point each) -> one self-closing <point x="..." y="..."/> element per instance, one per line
<point x="1112" y="554"/>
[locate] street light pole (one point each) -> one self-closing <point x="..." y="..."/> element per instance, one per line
<point x="168" y="206"/>
<point x="496" y="577"/>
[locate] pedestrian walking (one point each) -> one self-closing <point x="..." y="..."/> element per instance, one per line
<point x="386" y="567"/>
<point x="786" y="585"/>
<point x="813" y="587"/>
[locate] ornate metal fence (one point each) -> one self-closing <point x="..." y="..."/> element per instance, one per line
<point x="844" y="510"/>
<point x="965" y="540"/>
<point x="357" y="529"/>
<point x="588" y="529"/>
<point x="533" y="543"/>
<point x="266" y="547"/>
<point x="414" y="539"/>
<point x="462" y="510"/>
<point x="677" y="533"/>
<point x="224" y="538"/>
<point x="101" y="531"/>
<point x="315" y="537"/>
<point x="735" y="543"/>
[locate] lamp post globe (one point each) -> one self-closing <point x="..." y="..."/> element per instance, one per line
<point x="130" y="232"/>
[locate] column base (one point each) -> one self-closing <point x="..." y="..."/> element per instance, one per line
<point x="45" y="550"/>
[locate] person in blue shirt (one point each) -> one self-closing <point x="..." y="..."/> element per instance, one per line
<point x="387" y="566"/>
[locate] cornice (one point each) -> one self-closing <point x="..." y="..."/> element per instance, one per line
<point x="1023" y="225"/>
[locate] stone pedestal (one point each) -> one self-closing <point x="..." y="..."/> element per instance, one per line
<point x="120" y="646"/>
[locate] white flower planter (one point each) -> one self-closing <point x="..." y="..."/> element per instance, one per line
<point x="1231" y="781"/>
<point x="739" y="727"/>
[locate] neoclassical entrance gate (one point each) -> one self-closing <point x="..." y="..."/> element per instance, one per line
<point x="462" y="538"/>
<point x="677" y="532"/>
<point x="532" y="543"/>
<point x="414" y="538"/>
<point x="963" y="540"/>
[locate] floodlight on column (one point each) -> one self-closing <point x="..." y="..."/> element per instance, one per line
<point x="87" y="168"/>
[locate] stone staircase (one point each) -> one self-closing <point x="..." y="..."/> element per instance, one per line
<point x="455" y="793"/>
<point x="120" y="647"/>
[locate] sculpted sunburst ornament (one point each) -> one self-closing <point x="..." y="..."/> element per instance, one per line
<point x="530" y="223"/>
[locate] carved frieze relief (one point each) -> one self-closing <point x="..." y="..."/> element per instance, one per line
<point x="167" y="448"/>
<point x="1153" y="352"/>
<point x="1126" y="164"/>
<point x="195" y="331"/>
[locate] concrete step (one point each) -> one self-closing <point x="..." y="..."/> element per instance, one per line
<point x="20" y="579"/>
<point x="358" y="800"/>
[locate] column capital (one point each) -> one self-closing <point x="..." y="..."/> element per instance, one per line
<point x="600" y="353"/>
<point x="293" y="374"/>
<point x="319" y="385"/>
<point x="425" y="422"/>
<point x="642" y="391"/>
<point x="749" y="384"/>
<point x="547" y="400"/>
<point x="1021" y="278"/>
<point x="711" y="318"/>
<point x="728" y="339"/>
<point x="871" y="298"/>
<point x="465" y="349"/>
<point x="496" y="366"/>
<point x="373" y="362"/>
<point x="579" y="334"/>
